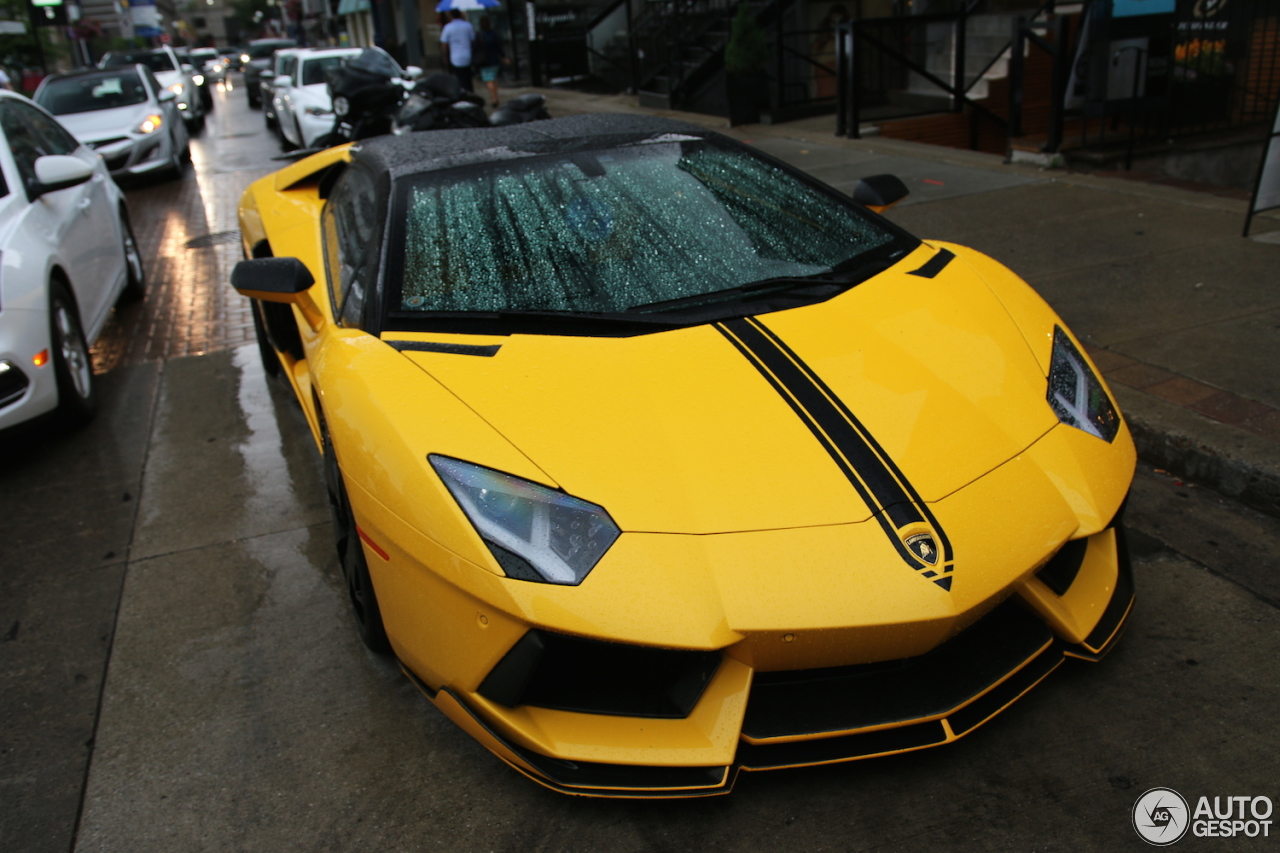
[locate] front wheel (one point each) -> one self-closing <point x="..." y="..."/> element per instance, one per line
<point x="136" y="286"/>
<point x="72" y="367"/>
<point x="355" y="570"/>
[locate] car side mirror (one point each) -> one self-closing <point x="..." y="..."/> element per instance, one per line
<point x="188" y="67"/>
<point x="284" y="280"/>
<point x="880" y="192"/>
<point x="282" y="82"/>
<point x="413" y="72"/>
<point x="166" y="95"/>
<point x="58" y="172"/>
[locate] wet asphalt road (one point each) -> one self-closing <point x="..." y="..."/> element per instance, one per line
<point x="178" y="670"/>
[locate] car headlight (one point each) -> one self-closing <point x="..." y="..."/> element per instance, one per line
<point x="150" y="124"/>
<point x="318" y="111"/>
<point x="341" y="105"/>
<point x="198" y="79"/>
<point x="176" y="88"/>
<point x="1076" y="395"/>
<point x="244" y="58"/>
<point x="536" y="533"/>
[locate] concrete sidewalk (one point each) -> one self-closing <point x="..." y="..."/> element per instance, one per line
<point x="1180" y="312"/>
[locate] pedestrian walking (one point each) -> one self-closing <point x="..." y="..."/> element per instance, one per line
<point x="489" y="56"/>
<point x="455" y="40"/>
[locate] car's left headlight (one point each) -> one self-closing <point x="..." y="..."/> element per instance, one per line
<point x="535" y="533"/>
<point x="198" y="79"/>
<point x="318" y="111"/>
<point x="1076" y="395"/>
<point x="176" y="88"/>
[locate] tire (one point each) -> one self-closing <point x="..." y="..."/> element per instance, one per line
<point x="270" y="360"/>
<point x="355" y="571"/>
<point x="177" y="160"/>
<point x="135" y="287"/>
<point x="72" y="367"/>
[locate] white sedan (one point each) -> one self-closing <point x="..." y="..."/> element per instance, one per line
<point x="124" y="114"/>
<point x="303" y="108"/>
<point x="67" y="256"/>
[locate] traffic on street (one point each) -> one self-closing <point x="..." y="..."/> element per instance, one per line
<point x="187" y="661"/>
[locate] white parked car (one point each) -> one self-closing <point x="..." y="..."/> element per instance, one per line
<point x="172" y="73"/>
<point x="303" y="108"/>
<point x="67" y="255"/>
<point x="124" y="114"/>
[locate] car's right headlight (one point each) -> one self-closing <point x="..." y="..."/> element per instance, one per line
<point x="535" y="533"/>
<point x="1076" y="394"/>
<point x="150" y="124"/>
<point x="176" y="88"/>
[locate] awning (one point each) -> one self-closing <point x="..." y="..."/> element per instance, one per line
<point x="350" y="7"/>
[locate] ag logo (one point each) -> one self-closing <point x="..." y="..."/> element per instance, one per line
<point x="1161" y="817"/>
<point x="924" y="547"/>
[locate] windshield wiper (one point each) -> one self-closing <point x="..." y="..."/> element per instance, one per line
<point x="845" y="275"/>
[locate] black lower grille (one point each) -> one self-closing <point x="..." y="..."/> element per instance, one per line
<point x="13" y="383"/>
<point x="551" y="670"/>
<point x="846" y="698"/>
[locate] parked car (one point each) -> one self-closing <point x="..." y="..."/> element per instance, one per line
<point x="176" y="76"/>
<point x="282" y="67"/>
<point x="69" y="256"/>
<point x="259" y="60"/>
<point x="210" y="62"/>
<point x="124" y="114"/>
<point x="303" y="107"/>
<point x="653" y="459"/>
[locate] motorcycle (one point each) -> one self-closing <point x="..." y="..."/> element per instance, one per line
<point x="439" y="102"/>
<point x="365" y="92"/>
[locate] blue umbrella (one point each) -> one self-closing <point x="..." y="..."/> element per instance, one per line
<point x="466" y="5"/>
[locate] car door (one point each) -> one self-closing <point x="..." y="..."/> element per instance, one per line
<point x="78" y="222"/>
<point x="285" y="100"/>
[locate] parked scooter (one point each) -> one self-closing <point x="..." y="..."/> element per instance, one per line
<point x="439" y="102"/>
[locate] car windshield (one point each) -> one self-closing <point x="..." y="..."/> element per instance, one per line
<point x="263" y="51"/>
<point x="89" y="92"/>
<point x="204" y="55"/>
<point x="158" y="61"/>
<point x="628" y="229"/>
<point x="315" y="70"/>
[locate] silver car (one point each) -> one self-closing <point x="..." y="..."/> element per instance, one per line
<point x="174" y="74"/>
<point x="123" y="114"/>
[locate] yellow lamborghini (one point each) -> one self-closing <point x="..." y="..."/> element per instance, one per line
<point x="653" y="460"/>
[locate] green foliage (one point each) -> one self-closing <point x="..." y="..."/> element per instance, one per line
<point x="747" y="51"/>
<point x="250" y="14"/>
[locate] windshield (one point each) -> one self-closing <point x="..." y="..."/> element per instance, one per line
<point x="263" y="51"/>
<point x="158" y="61"/>
<point x="90" y="92"/>
<point x="314" y="70"/>
<point x="619" y="230"/>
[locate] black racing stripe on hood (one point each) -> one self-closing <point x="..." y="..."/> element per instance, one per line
<point x="877" y="480"/>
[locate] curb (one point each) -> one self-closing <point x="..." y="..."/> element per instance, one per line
<point x="1232" y="462"/>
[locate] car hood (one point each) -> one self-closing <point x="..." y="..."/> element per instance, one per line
<point x="779" y="421"/>
<point x="106" y="124"/>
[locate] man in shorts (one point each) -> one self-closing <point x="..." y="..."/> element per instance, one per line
<point x="455" y="41"/>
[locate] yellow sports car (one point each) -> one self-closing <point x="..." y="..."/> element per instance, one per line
<point x="653" y="459"/>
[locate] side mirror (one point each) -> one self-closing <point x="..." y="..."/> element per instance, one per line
<point x="58" y="172"/>
<point x="413" y="72"/>
<point x="282" y="82"/>
<point x="188" y="67"/>
<point x="272" y="279"/>
<point x="278" y="280"/>
<point x="166" y="95"/>
<point x="880" y="192"/>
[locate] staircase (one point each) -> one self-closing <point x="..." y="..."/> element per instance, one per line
<point x="988" y="36"/>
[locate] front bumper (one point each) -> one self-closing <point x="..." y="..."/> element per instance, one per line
<point x="835" y="714"/>
<point x="26" y="391"/>
<point x="134" y="155"/>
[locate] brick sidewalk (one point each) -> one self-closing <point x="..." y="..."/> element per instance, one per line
<point x="189" y="238"/>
